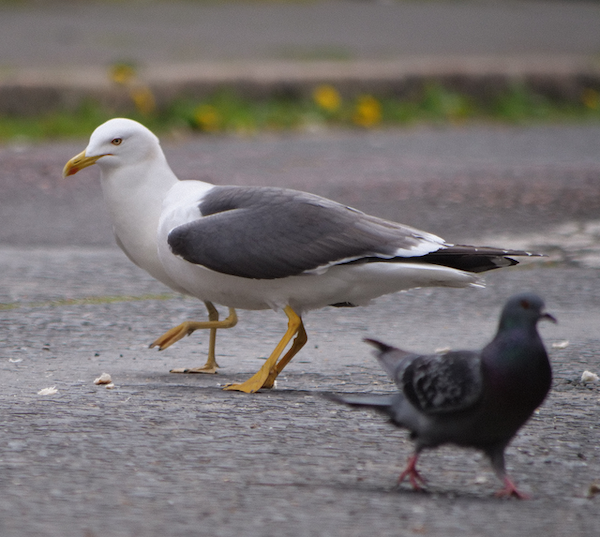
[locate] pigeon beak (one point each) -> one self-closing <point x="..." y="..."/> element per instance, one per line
<point x="78" y="162"/>
<point x="548" y="317"/>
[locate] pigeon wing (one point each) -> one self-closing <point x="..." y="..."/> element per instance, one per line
<point x="445" y="383"/>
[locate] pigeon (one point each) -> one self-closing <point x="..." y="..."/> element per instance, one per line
<point x="478" y="399"/>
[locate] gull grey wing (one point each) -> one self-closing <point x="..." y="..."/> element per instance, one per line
<point x="443" y="383"/>
<point x="268" y="233"/>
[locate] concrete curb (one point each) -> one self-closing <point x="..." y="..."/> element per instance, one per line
<point x="32" y="91"/>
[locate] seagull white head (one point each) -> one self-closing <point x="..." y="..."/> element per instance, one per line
<point x="116" y="143"/>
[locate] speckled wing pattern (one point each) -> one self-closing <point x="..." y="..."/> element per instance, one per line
<point x="442" y="383"/>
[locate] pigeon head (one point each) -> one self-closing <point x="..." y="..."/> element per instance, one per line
<point x="118" y="142"/>
<point x="523" y="310"/>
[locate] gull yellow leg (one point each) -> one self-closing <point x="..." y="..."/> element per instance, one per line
<point x="186" y="328"/>
<point x="267" y="374"/>
<point x="299" y="342"/>
<point x="211" y="362"/>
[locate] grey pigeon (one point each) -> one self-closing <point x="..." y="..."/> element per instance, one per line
<point x="476" y="399"/>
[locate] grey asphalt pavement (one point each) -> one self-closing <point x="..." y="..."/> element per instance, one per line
<point x="159" y="32"/>
<point x="164" y="454"/>
<point x="496" y="178"/>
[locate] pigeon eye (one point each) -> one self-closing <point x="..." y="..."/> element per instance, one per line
<point x="525" y="304"/>
<point x="117" y="141"/>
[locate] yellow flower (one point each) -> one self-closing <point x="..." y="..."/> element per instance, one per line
<point x="125" y="75"/>
<point x="367" y="112"/>
<point x="591" y="98"/>
<point x="328" y="98"/>
<point x="143" y="99"/>
<point x="122" y="73"/>
<point x="207" y="118"/>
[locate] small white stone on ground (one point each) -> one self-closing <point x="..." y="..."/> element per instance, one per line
<point x="48" y="391"/>
<point x="105" y="378"/>
<point x="588" y="376"/>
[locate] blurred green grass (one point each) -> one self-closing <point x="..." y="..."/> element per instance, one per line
<point x="228" y="112"/>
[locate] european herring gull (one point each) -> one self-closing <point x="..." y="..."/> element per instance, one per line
<point x="260" y="247"/>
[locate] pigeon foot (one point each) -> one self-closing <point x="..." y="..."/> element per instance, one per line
<point x="413" y="475"/>
<point x="509" y="490"/>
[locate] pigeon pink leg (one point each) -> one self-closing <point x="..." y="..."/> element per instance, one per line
<point x="509" y="490"/>
<point x="411" y="472"/>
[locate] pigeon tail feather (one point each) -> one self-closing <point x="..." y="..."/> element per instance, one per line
<point x="381" y="402"/>
<point x="388" y="357"/>
<point x="382" y="347"/>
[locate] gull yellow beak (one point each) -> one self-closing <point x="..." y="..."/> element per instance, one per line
<point x="78" y="162"/>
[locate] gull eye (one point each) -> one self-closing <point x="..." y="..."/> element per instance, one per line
<point x="117" y="141"/>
